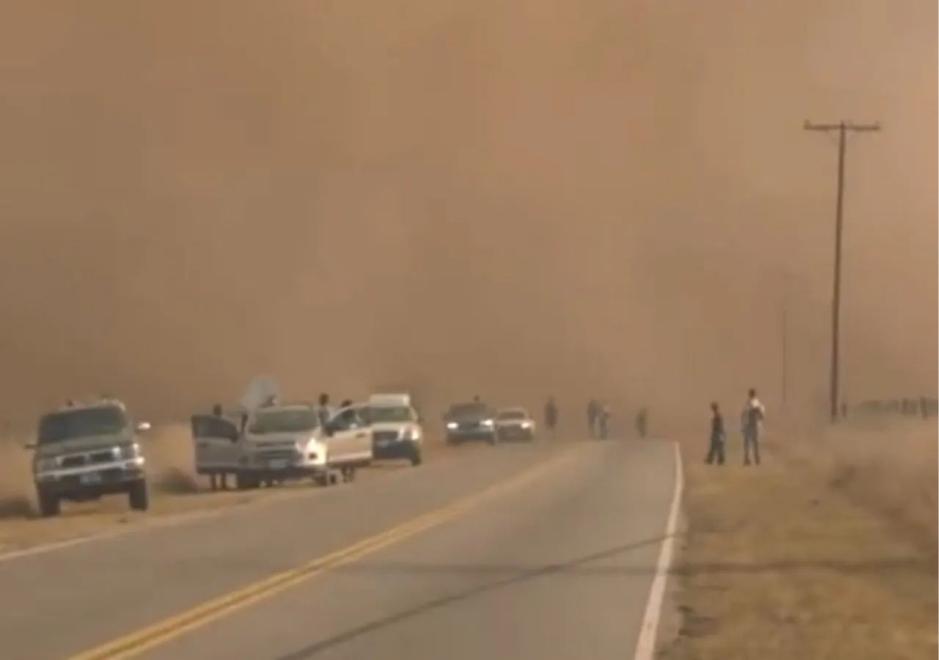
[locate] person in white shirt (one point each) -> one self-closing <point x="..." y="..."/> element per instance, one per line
<point x="752" y="422"/>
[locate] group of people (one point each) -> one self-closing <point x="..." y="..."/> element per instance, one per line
<point x="751" y="425"/>
<point x="598" y="418"/>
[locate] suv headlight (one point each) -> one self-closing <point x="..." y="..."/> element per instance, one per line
<point x="452" y="425"/>
<point x="130" y="451"/>
<point x="488" y="422"/>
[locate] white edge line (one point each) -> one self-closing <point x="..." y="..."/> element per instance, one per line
<point x="161" y="520"/>
<point x="645" y="647"/>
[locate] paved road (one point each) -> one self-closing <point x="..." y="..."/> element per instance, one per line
<point x="518" y="551"/>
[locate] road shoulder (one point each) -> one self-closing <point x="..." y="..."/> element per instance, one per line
<point x="778" y="562"/>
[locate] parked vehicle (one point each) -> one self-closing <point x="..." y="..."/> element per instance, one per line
<point x="85" y="451"/>
<point x="514" y="424"/>
<point x="283" y="442"/>
<point x="470" y="421"/>
<point x="396" y="428"/>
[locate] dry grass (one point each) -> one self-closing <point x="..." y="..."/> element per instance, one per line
<point x="799" y="559"/>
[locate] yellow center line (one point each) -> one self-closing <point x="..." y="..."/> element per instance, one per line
<point x="147" y="638"/>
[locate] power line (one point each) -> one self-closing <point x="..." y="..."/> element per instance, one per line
<point x="842" y="127"/>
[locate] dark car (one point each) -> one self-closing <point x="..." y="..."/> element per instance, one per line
<point x="470" y="421"/>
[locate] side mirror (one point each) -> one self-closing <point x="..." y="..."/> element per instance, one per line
<point x="142" y="427"/>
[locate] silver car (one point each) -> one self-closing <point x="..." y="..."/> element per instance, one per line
<point x="514" y="424"/>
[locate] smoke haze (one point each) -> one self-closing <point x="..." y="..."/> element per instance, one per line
<point x="515" y="199"/>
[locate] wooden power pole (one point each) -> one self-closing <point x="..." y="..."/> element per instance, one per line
<point x="842" y="128"/>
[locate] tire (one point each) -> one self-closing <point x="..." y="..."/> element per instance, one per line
<point x="416" y="458"/>
<point x="48" y="505"/>
<point x="493" y="439"/>
<point x="138" y="496"/>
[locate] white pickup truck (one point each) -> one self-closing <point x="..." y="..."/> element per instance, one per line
<point x="282" y="442"/>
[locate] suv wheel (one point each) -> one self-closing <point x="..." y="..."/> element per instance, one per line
<point x="48" y="504"/>
<point x="138" y="496"/>
<point x="416" y="458"/>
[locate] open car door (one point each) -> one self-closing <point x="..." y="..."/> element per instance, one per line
<point x="217" y="446"/>
<point x="349" y="437"/>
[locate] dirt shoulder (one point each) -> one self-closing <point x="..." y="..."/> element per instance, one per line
<point x="794" y="559"/>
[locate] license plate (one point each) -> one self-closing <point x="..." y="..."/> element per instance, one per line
<point x="90" y="479"/>
<point x="278" y="464"/>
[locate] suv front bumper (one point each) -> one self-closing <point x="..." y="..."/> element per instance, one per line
<point x="90" y="482"/>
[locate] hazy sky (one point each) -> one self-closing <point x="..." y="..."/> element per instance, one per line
<point x="462" y="196"/>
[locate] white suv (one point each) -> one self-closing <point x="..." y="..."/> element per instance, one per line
<point x="396" y="428"/>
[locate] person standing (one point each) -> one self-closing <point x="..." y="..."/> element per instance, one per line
<point x="593" y="410"/>
<point x="603" y="420"/>
<point x="716" y="450"/>
<point x="752" y="418"/>
<point x="642" y="422"/>
<point x="551" y="415"/>
<point x="323" y="412"/>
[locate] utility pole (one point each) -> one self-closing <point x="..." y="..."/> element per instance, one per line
<point x="785" y="356"/>
<point x="842" y="128"/>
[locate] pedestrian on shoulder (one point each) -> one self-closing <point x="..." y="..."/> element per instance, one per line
<point x="716" y="450"/>
<point x="752" y="420"/>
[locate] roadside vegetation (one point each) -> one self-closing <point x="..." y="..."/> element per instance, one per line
<point x="827" y="550"/>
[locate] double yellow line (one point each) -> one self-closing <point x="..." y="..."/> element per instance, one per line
<point x="143" y="640"/>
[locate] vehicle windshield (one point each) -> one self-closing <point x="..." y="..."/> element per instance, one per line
<point x="380" y="414"/>
<point x="513" y="414"/>
<point x="284" y="421"/>
<point x="83" y="423"/>
<point x="467" y="410"/>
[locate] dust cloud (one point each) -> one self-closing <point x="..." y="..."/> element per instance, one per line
<point x="505" y="198"/>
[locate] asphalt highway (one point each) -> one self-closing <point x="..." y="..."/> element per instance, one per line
<point x="515" y="551"/>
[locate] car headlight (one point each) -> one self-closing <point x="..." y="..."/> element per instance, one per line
<point x="46" y="464"/>
<point x="526" y="425"/>
<point x="411" y="434"/>
<point x="452" y="425"/>
<point x="130" y="451"/>
<point x="488" y="422"/>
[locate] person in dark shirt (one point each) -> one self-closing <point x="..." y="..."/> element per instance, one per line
<point x="642" y="422"/>
<point x="716" y="451"/>
<point x="323" y="411"/>
<point x="551" y="415"/>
